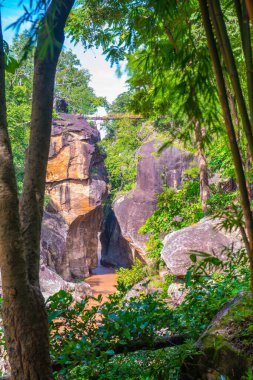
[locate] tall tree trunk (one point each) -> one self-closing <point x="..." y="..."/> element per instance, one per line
<point x="250" y="9"/>
<point x="31" y="205"/>
<point x="243" y="19"/>
<point x="245" y="202"/>
<point x="227" y="53"/>
<point x="24" y="314"/>
<point x="203" y="172"/>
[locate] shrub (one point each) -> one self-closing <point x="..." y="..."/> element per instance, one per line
<point x="163" y="364"/>
<point x="127" y="277"/>
<point x="209" y="289"/>
<point x="176" y="209"/>
<point x="82" y="334"/>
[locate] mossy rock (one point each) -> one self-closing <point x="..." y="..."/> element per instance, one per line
<point x="225" y="349"/>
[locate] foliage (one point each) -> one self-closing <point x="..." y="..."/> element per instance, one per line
<point x="175" y="209"/>
<point x="163" y="364"/>
<point x="86" y="340"/>
<point x="220" y="200"/>
<point x="122" y="104"/>
<point x="162" y="283"/>
<point x="210" y="284"/>
<point x="121" y="143"/>
<point x="220" y="158"/>
<point x="168" y="63"/>
<point x="126" y="278"/>
<point x="18" y="116"/>
<point x="81" y="334"/>
<point x="73" y="85"/>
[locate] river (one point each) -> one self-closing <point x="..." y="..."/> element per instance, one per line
<point x="102" y="281"/>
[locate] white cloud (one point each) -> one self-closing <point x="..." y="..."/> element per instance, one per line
<point x="104" y="79"/>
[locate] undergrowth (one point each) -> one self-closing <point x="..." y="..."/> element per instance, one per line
<point x="97" y="342"/>
<point x="116" y="339"/>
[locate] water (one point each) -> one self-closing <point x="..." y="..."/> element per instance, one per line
<point x="102" y="280"/>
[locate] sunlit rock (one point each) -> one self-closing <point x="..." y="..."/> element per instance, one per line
<point x="203" y="236"/>
<point x="133" y="209"/>
<point x="76" y="186"/>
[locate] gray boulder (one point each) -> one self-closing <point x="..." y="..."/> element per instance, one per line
<point x="51" y="283"/>
<point x="202" y="236"/>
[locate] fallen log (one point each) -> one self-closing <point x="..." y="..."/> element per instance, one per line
<point x="158" y="343"/>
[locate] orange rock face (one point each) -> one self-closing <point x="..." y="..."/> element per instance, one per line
<point x="76" y="186"/>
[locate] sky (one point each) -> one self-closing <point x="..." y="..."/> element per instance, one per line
<point x="103" y="77"/>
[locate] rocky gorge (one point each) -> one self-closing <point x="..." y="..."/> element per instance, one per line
<point x="77" y="232"/>
<point x="74" y="220"/>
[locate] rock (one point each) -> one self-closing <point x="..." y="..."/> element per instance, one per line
<point x="115" y="250"/>
<point x="222" y="350"/>
<point x="202" y="237"/>
<point x="145" y="286"/>
<point x="51" y="283"/>
<point x="176" y="293"/>
<point x="163" y="272"/>
<point x="53" y="241"/>
<point x="133" y="209"/>
<point x="76" y="186"/>
<point x="4" y="362"/>
<point x="138" y="289"/>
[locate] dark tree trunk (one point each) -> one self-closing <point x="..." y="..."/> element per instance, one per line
<point x="243" y="19"/>
<point x="24" y="314"/>
<point x="203" y="171"/>
<point x="249" y="4"/>
<point x="45" y="62"/>
<point x="228" y="57"/>
<point x="245" y="202"/>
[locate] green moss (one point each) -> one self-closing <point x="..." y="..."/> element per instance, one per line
<point x="227" y="344"/>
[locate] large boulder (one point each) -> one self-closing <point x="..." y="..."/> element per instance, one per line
<point x="203" y="236"/>
<point x="133" y="209"/>
<point x="76" y="186"/>
<point x="224" y="351"/>
<point x="51" y="283"/>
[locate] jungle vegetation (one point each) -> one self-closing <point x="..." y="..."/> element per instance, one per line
<point x="190" y="71"/>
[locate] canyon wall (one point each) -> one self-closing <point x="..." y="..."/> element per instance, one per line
<point x="75" y="187"/>
<point x="121" y="240"/>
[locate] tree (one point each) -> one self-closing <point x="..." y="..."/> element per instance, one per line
<point x="167" y="58"/>
<point x="214" y="24"/>
<point x="122" y="140"/>
<point x="131" y="26"/>
<point x="24" y="315"/>
<point x="72" y="85"/>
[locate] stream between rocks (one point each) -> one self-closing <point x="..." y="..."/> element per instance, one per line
<point x="102" y="281"/>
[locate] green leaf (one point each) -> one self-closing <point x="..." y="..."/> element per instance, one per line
<point x="53" y="315"/>
<point x="110" y="352"/>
